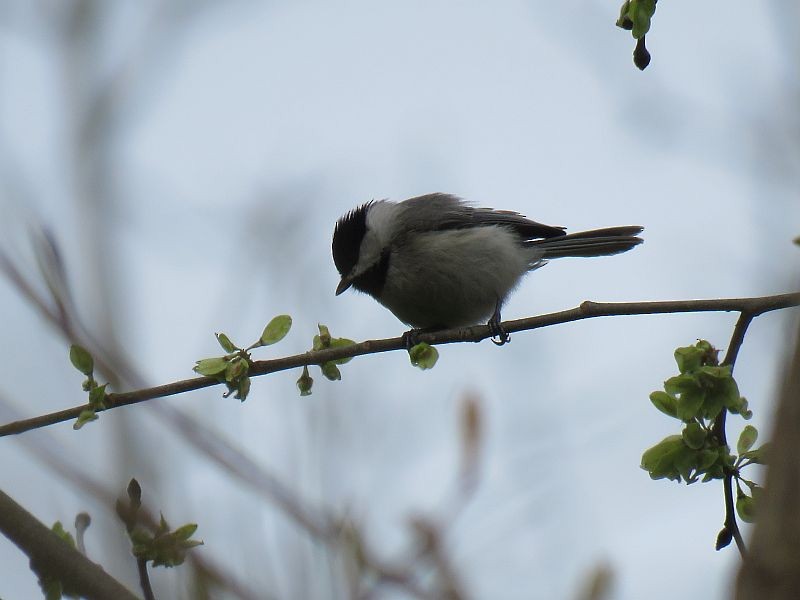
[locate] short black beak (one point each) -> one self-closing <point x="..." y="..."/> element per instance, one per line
<point x="344" y="284"/>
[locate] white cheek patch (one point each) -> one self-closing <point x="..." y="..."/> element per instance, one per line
<point x="369" y="253"/>
<point x="381" y="222"/>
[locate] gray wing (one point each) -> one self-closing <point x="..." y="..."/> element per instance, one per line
<point x="437" y="212"/>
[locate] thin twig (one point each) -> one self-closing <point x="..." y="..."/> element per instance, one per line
<point x="144" y="579"/>
<point x="587" y="310"/>
<point x="718" y="430"/>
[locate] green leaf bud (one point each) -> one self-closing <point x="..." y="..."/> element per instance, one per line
<point x="226" y="343"/>
<point x="86" y="416"/>
<point x="276" y="330"/>
<point x="210" y="366"/>
<point x="331" y="371"/>
<point x="81" y="359"/>
<point x="305" y="383"/>
<point x="747" y="438"/>
<point x="694" y="436"/>
<point x="665" y="403"/>
<point x="423" y="356"/>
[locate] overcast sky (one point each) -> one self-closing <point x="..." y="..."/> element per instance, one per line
<point x="243" y="132"/>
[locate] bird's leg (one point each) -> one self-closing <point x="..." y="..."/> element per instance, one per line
<point x="496" y="328"/>
<point x="410" y="338"/>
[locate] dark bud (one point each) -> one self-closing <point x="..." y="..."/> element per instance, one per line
<point x="626" y="23"/>
<point x="641" y="57"/>
<point x="135" y="493"/>
<point x="724" y="538"/>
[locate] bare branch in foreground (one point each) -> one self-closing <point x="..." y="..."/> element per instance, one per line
<point x="587" y="310"/>
<point x="61" y="561"/>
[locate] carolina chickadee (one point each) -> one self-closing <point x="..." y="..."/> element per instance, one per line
<point x="438" y="263"/>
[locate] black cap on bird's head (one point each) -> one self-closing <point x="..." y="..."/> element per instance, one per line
<point x="347" y="237"/>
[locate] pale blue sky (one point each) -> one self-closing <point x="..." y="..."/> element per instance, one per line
<point x="246" y="134"/>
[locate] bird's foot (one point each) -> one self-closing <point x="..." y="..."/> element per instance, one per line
<point x="411" y="338"/>
<point x="500" y="336"/>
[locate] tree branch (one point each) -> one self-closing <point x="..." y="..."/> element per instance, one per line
<point x="730" y="525"/>
<point x="48" y="551"/>
<point x="587" y="310"/>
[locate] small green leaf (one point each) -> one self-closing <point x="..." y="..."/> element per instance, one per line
<point x="242" y="389"/>
<point x="226" y="343"/>
<point x="81" y="359"/>
<point x="659" y="461"/>
<point x="65" y="535"/>
<point x="688" y="358"/>
<point x="686" y="463"/>
<point x="341" y="343"/>
<point x="743" y="409"/>
<point x="641" y="12"/>
<point x="714" y="372"/>
<point x="140" y="538"/>
<point x="210" y="366"/>
<point x="97" y="397"/>
<point x="324" y="336"/>
<point x="665" y="403"/>
<point x="694" y="436"/>
<point x="624" y="20"/>
<point x="746" y="508"/>
<point x="276" y="330"/>
<point x="236" y="369"/>
<point x="423" y="356"/>
<point x="747" y="438"/>
<point x="681" y="383"/>
<point x="689" y="404"/>
<point x="331" y="371"/>
<point x="760" y="455"/>
<point x="186" y="531"/>
<point x="86" y="416"/>
<point x="730" y="393"/>
<point x="706" y="458"/>
<point x="304" y="383"/>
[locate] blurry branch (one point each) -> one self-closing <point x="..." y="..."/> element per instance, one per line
<point x="428" y="560"/>
<point x="75" y="474"/>
<point x="749" y="306"/>
<point x="53" y="557"/>
<point x="57" y="308"/>
<point x="772" y="570"/>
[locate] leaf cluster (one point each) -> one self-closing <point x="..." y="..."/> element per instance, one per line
<point x="233" y="368"/>
<point x="159" y="544"/>
<point x="82" y="360"/>
<point x="697" y="396"/>
<point x="330" y="370"/>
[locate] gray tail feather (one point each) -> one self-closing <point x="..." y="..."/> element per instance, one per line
<point x="598" y="242"/>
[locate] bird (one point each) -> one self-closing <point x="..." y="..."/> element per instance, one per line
<point x="438" y="262"/>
